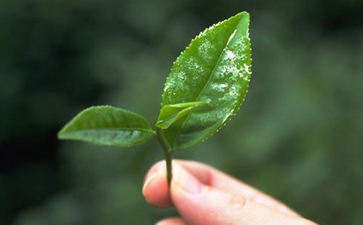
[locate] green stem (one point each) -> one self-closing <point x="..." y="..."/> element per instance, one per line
<point x="167" y="154"/>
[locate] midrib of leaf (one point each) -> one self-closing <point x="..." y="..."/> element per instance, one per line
<point x="115" y="129"/>
<point x="209" y="80"/>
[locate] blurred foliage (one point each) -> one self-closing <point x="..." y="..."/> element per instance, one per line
<point x="298" y="136"/>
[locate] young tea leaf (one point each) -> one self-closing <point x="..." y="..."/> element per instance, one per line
<point x="107" y="125"/>
<point x="215" y="66"/>
<point x="171" y="113"/>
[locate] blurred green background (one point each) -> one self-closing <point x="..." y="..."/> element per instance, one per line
<point x="298" y="137"/>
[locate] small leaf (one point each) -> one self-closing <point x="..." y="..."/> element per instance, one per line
<point x="171" y="113"/>
<point x="107" y="125"/>
<point x="216" y="66"/>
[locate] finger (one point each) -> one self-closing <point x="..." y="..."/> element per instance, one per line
<point x="199" y="204"/>
<point x="219" y="180"/>
<point x="171" y="221"/>
<point x="156" y="189"/>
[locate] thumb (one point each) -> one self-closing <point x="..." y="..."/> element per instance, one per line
<point x="199" y="204"/>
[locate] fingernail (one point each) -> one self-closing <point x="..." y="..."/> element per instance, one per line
<point x="148" y="181"/>
<point x="150" y="177"/>
<point x="185" y="181"/>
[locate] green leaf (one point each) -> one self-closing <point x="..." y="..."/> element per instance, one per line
<point x="171" y="113"/>
<point x="216" y="66"/>
<point x="107" y="125"/>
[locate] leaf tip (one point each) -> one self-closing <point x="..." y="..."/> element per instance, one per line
<point x="63" y="133"/>
<point x="243" y="14"/>
<point x="160" y="124"/>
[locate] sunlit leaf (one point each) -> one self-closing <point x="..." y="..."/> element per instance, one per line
<point x="107" y="125"/>
<point x="216" y="66"/>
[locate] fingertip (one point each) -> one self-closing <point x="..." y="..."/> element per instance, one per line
<point x="156" y="168"/>
<point x="155" y="189"/>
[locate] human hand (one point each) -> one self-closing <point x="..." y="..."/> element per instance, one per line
<point x="205" y="196"/>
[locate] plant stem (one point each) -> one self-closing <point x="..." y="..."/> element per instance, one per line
<point x="168" y="159"/>
<point x="168" y="154"/>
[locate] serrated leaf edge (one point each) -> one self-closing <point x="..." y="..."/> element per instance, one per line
<point x="238" y="105"/>
<point x="199" y="35"/>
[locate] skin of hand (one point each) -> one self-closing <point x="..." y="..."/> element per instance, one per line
<point x="205" y="196"/>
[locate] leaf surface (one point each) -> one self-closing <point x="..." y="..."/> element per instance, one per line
<point x="215" y="66"/>
<point x="171" y="113"/>
<point x="107" y="125"/>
